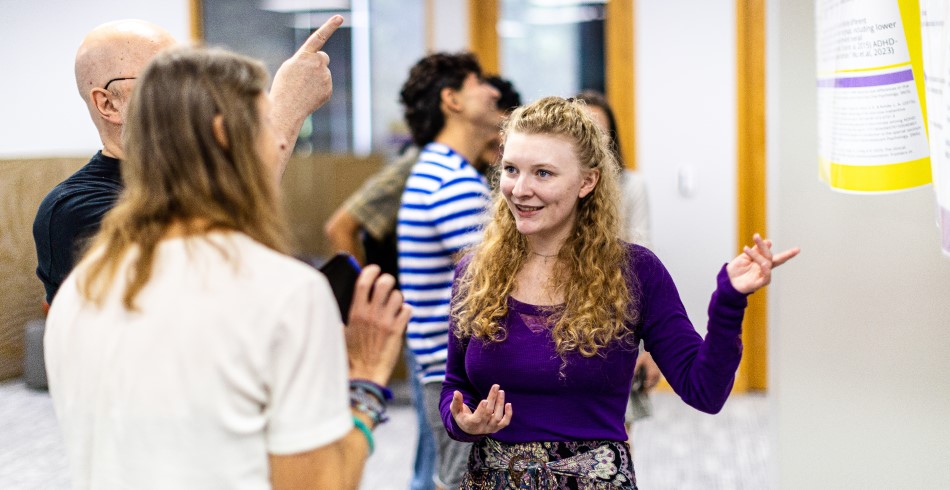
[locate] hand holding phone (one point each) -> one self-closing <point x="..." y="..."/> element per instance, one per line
<point x="376" y="326"/>
<point x="342" y="271"/>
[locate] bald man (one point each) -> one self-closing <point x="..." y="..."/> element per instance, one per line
<point x="108" y="62"/>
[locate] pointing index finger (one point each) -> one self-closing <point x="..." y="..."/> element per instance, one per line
<point x="785" y="256"/>
<point x="320" y="37"/>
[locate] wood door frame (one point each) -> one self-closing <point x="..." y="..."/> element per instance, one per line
<point x="751" y="182"/>
<point x="620" y="74"/>
<point x="483" y="39"/>
<point x="196" y="9"/>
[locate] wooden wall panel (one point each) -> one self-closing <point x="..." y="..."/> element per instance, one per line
<point x="313" y="187"/>
<point x="23" y="184"/>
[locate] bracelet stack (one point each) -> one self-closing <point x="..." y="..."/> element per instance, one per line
<point x="370" y="399"/>
<point x="367" y="433"/>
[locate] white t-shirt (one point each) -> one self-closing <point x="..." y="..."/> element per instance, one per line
<point x="236" y="351"/>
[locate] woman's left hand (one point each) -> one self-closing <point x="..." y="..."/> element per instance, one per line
<point x="752" y="269"/>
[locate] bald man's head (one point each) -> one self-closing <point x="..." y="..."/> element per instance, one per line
<point x="119" y="49"/>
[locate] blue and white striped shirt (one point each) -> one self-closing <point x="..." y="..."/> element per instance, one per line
<point x="443" y="211"/>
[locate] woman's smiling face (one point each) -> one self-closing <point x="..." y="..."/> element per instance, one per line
<point x="542" y="181"/>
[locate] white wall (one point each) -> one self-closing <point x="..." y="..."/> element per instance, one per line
<point x="686" y="122"/>
<point x="450" y="28"/>
<point x="396" y="46"/>
<point x="860" y="322"/>
<point x="42" y="113"/>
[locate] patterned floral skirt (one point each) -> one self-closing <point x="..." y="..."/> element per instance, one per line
<point x="576" y="465"/>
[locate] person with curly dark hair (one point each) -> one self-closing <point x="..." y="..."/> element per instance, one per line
<point x="452" y="113"/>
<point x="509" y="101"/>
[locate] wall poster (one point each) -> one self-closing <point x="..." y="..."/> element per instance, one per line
<point x="871" y="103"/>
<point x="936" y="53"/>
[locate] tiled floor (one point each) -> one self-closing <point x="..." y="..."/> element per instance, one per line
<point x="678" y="448"/>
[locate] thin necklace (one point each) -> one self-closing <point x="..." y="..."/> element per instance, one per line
<point x="545" y="256"/>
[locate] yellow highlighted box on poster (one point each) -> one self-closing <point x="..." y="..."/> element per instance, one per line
<point x="877" y="178"/>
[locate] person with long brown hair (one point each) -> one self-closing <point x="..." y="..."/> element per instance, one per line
<point x="187" y="350"/>
<point x="549" y="308"/>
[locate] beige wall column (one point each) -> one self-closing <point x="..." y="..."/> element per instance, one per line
<point x="859" y="322"/>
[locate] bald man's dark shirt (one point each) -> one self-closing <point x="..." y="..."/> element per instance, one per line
<point x="70" y="215"/>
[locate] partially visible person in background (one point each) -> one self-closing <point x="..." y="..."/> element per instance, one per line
<point x="635" y="228"/>
<point x="452" y="113"/>
<point x="186" y="349"/>
<point x="635" y="205"/>
<point x="365" y="227"/>
<point x="509" y="100"/>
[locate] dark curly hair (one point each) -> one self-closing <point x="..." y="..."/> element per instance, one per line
<point x="420" y="95"/>
<point x="510" y="98"/>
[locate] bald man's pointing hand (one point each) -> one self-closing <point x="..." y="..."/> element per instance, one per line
<point x="303" y="84"/>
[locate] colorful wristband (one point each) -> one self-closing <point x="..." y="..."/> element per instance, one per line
<point x="384" y="394"/>
<point x="368" y="403"/>
<point x="366" y="432"/>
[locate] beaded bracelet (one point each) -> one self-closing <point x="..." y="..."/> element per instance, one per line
<point x="375" y="413"/>
<point x="369" y="403"/>
<point x="366" y="432"/>
<point x="381" y="392"/>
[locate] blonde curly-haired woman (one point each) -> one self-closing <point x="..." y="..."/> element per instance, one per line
<point x="549" y="310"/>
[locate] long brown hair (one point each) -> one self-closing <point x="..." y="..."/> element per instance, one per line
<point x="593" y="262"/>
<point x="178" y="174"/>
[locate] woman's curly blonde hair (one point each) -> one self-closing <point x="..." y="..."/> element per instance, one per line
<point x="593" y="262"/>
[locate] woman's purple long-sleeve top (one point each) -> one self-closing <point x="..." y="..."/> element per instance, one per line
<point x="585" y="398"/>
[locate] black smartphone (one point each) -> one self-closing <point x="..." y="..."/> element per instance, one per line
<point x="342" y="270"/>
